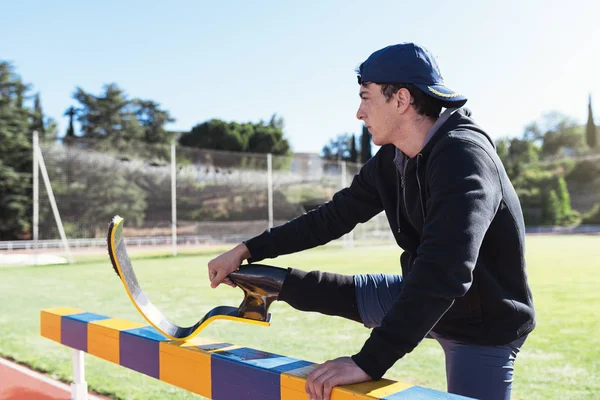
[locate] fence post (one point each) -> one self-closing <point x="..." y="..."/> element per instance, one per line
<point x="46" y="179"/>
<point x="349" y="237"/>
<point x="173" y="199"/>
<point x="270" y="187"/>
<point x="36" y="197"/>
<point x="79" y="388"/>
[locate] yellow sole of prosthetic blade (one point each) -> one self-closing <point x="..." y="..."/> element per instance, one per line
<point x="117" y="251"/>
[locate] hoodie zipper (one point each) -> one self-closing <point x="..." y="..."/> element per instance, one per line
<point x="404" y="194"/>
<point x="403" y="186"/>
<point x="420" y="190"/>
<point x="398" y="211"/>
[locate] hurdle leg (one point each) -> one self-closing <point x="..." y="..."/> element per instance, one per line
<point x="79" y="389"/>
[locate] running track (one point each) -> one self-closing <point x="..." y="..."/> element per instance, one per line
<point x="21" y="383"/>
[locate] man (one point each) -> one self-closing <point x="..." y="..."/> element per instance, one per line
<point x="452" y="210"/>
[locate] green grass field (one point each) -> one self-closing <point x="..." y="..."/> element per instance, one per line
<point x="560" y="360"/>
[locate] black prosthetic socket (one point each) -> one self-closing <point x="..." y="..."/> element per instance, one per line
<point x="261" y="285"/>
<point x="323" y="292"/>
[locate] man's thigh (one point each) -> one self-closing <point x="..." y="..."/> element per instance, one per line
<point x="481" y="372"/>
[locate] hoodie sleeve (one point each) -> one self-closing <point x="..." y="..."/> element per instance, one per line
<point x="357" y="203"/>
<point x="465" y="194"/>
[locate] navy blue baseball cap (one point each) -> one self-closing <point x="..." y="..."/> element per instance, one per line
<point x="409" y="63"/>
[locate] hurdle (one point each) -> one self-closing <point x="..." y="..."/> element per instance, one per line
<point x="210" y="368"/>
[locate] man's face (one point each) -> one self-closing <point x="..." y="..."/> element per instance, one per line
<point x="378" y="114"/>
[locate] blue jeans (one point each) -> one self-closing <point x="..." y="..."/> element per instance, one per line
<point x="481" y="372"/>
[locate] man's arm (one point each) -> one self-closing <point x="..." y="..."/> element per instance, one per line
<point x="465" y="194"/>
<point x="357" y="203"/>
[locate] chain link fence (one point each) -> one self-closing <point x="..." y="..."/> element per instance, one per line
<point x="220" y="197"/>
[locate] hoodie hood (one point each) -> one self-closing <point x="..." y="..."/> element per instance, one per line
<point x="451" y="119"/>
<point x="459" y="120"/>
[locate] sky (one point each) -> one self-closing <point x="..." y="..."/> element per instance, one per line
<point x="244" y="61"/>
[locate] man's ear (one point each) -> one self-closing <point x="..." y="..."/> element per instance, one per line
<point x="403" y="99"/>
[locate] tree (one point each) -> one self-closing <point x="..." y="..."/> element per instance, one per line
<point x="551" y="208"/>
<point x="520" y="153"/>
<point x="559" y="132"/>
<point x="107" y="116"/>
<point x="365" y="145"/>
<point x="591" y="135"/>
<point x="232" y="136"/>
<point x="114" y="116"/>
<point x="565" y="138"/>
<point x="153" y="120"/>
<point x="276" y="122"/>
<point x="217" y="135"/>
<point x="15" y="156"/>
<point x="564" y="200"/>
<point x="502" y="150"/>
<point x="556" y="203"/>
<point x="45" y="126"/>
<point x="71" y="112"/>
<point x="268" y="138"/>
<point x="533" y="133"/>
<point x="338" y="148"/>
<point x="37" y="123"/>
<point x="353" y="151"/>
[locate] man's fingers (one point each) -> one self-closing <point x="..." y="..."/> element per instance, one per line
<point x="211" y="275"/>
<point x="229" y="282"/>
<point x="329" y="385"/>
<point x="321" y="384"/>
<point x="310" y="386"/>
<point x="217" y="279"/>
<point x="341" y="371"/>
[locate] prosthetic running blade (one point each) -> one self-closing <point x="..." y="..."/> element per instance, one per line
<point x="117" y="251"/>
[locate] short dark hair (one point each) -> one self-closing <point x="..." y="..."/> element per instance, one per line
<point x="424" y="104"/>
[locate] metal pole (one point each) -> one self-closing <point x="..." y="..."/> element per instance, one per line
<point x="61" y="228"/>
<point x="349" y="237"/>
<point x="270" y="187"/>
<point x="36" y="197"/>
<point x="79" y="388"/>
<point x="174" y="199"/>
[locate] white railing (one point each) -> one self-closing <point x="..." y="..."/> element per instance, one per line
<point x="132" y="241"/>
<point x="383" y="235"/>
<point x="583" y="229"/>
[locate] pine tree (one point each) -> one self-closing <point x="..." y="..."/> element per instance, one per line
<point x="591" y="134"/>
<point x="37" y="123"/>
<point x="71" y="113"/>
<point x="353" y="151"/>
<point x="15" y="156"/>
<point x="365" y="145"/>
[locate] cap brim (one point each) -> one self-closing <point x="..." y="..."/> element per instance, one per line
<point x="449" y="98"/>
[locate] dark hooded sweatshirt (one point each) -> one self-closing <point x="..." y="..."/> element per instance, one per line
<point x="457" y="217"/>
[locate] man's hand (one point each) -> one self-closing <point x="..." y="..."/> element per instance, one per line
<point x="226" y="263"/>
<point x="341" y="371"/>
